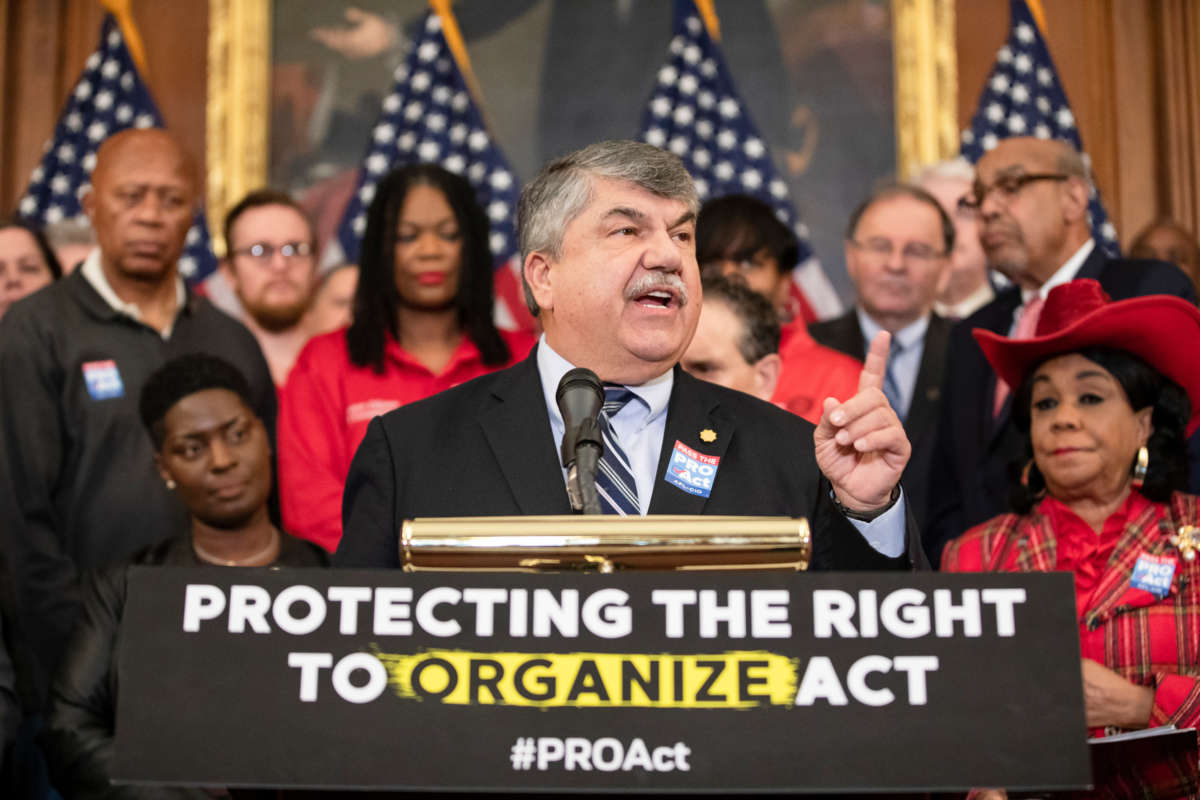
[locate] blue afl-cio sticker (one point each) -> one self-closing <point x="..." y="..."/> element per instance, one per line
<point x="1153" y="574"/>
<point x="103" y="380"/>
<point x="691" y="471"/>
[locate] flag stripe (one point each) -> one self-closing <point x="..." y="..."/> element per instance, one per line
<point x="1023" y="96"/>
<point x="430" y="117"/>
<point x="696" y="112"/>
<point x="109" y="97"/>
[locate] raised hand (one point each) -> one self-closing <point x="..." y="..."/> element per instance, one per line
<point x="368" y="35"/>
<point x="860" y="444"/>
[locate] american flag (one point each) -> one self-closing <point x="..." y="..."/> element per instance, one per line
<point x="429" y="116"/>
<point x="1024" y="97"/>
<point x="696" y="113"/>
<point x="108" y="97"/>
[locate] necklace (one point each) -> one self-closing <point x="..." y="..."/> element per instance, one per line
<point x="204" y="555"/>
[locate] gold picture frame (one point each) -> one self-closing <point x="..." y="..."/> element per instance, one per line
<point x="237" y="118"/>
<point x="926" y="73"/>
<point x="238" y="110"/>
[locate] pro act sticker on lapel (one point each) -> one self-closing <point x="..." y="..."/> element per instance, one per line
<point x="691" y="471"/>
<point x="1153" y="574"/>
<point x="103" y="380"/>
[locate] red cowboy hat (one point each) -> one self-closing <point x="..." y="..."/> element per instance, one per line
<point x="1162" y="330"/>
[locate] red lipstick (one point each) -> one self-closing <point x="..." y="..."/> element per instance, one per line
<point x="431" y="278"/>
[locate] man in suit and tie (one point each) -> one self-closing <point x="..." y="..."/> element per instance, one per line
<point x="898" y="243"/>
<point x="1032" y="196"/>
<point x="609" y="261"/>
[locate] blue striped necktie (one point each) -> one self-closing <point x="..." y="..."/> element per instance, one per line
<point x="891" y="385"/>
<point x="614" y="478"/>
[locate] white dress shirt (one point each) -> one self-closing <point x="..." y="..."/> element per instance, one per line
<point x="904" y="365"/>
<point x="1064" y="274"/>
<point x="641" y="425"/>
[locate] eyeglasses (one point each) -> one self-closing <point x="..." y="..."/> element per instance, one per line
<point x="910" y="252"/>
<point x="744" y="262"/>
<point x="261" y="251"/>
<point x="1009" y="186"/>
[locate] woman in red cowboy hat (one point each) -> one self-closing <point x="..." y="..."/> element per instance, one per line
<point x="1108" y="393"/>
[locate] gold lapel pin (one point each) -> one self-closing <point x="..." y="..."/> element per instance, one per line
<point x="708" y="435"/>
<point x="1187" y="539"/>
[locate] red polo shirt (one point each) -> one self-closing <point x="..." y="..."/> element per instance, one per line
<point x="811" y="372"/>
<point x="323" y="414"/>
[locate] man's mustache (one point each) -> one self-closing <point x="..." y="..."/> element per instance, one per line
<point x="662" y="281"/>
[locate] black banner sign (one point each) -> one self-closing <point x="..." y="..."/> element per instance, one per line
<point x="633" y="681"/>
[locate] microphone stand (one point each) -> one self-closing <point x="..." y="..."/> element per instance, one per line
<point x="580" y="398"/>
<point x="586" y="445"/>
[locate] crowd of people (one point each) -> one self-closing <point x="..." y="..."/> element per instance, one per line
<point x="1001" y="397"/>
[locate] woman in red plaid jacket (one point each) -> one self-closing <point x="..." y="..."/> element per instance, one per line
<point x="1108" y="393"/>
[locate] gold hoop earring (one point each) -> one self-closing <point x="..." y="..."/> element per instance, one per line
<point x="1026" y="472"/>
<point x="1139" y="468"/>
<point x="171" y="484"/>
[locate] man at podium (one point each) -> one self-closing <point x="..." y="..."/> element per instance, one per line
<point x="609" y="265"/>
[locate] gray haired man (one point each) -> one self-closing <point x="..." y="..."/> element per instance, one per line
<point x="608" y="241"/>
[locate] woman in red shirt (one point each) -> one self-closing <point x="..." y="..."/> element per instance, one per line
<point x="1108" y="393"/>
<point x="422" y="323"/>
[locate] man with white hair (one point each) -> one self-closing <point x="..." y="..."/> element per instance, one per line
<point x="967" y="284"/>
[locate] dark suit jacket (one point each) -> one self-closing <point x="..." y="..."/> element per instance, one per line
<point x="845" y="334"/>
<point x="485" y="448"/>
<point x="977" y="454"/>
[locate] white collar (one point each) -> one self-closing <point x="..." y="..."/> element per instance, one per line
<point x="1065" y="273"/>
<point x="654" y="393"/>
<point x="909" y="335"/>
<point x="968" y="305"/>
<point x="93" y="271"/>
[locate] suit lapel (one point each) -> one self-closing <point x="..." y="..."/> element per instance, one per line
<point x="1146" y="536"/>
<point x="1006" y="305"/>
<point x="923" y="409"/>
<point x="851" y="335"/>
<point x="519" y="416"/>
<point x="693" y="408"/>
<point x="842" y="334"/>
<point x="1093" y="265"/>
<point x="1037" y="548"/>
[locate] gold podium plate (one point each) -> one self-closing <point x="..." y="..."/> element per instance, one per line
<point x="604" y="543"/>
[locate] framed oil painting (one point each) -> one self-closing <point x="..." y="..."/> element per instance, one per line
<point x="845" y="92"/>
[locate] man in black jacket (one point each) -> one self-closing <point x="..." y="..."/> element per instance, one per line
<point x="1031" y="196"/>
<point x="607" y="235"/>
<point x="84" y="492"/>
<point x="898" y="245"/>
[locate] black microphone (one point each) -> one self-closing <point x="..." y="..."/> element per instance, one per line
<point x="580" y="397"/>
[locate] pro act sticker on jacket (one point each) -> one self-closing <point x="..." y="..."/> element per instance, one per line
<point x="103" y="380"/>
<point x="1153" y="574"/>
<point x="691" y="471"/>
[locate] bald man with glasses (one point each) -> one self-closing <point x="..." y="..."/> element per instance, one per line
<point x="1031" y="196"/>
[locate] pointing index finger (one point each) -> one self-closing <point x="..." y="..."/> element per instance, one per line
<point x="876" y="364"/>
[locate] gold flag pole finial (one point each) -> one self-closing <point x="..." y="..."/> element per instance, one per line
<point x="458" y="48"/>
<point x="122" y="10"/>
<point x="708" y="13"/>
<point x="1039" y="14"/>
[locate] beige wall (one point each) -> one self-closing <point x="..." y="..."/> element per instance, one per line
<point x="43" y="46"/>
